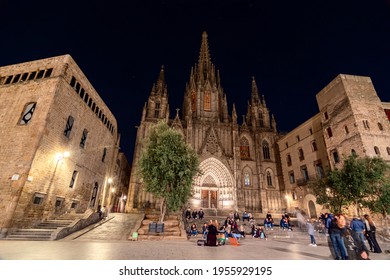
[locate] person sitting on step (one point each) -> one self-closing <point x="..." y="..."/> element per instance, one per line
<point x="194" y="230"/>
<point x="268" y="224"/>
<point x="200" y="214"/>
<point x="245" y="216"/>
<point x="194" y="214"/>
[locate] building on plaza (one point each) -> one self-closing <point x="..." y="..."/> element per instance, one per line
<point x="351" y="119"/>
<point x="58" y="142"/>
<point x="250" y="165"/>
<point x="240" y="161"/>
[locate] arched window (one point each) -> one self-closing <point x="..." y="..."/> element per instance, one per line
<point x="301" y="155"/>
<point x="380" y="126"/>
<point x="388" y="150"/>
<point x="207" y="101"/>
<point x="377" y="150"/>
<point x="269" y="179"/>
<point x="247" y="179"/>
<point x="157" y="110"/>
<point x="244" y="148"/>
<point x="261" y="119"/>
<point x="266" y="154"/>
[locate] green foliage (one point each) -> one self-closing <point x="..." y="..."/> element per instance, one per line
<point x="168" y="166"/>
<point x="361" y="181"/>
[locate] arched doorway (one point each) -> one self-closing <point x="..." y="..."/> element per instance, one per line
<point x="214" y="188"/>
<point x="312" y="209"/>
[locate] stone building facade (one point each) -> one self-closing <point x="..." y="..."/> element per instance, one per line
<point x="239" y="162"/>
<point x="120" y="187"/>
<point x="351" y="119"/>
<point x="58" y="142"/>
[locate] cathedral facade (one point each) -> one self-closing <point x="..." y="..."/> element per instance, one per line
<point x="239" y="162"/>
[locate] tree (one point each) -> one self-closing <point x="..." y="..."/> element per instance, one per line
<point x="378" y="193"/>
<point x="331" y="191"/>
<point x="360" y="181"/>
<point x="168" y="166"/>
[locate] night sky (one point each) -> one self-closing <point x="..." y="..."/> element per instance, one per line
<point x="293" y="48"/>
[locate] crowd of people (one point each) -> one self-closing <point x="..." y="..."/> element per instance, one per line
<point x="347" y="240"/>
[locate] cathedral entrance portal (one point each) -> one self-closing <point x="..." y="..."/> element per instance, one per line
<point x="214" y="188"/>
<point x="209" y="199"/>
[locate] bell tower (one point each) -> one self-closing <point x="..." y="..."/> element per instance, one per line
<point x="204" y="98"/>
<point x="157" y="107"/>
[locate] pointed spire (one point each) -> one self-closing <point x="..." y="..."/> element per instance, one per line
<point x="263" y="101"/>
<point x="161" y="80"/>
<point x="204" y="55"/>
<point x="255" y="92"/>
<point x="144" y="112"/>
<point x="234" y="114"/>
<point x="273" y="122"/>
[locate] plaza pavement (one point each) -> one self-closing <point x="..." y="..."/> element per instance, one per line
<point x="108" y="241"/>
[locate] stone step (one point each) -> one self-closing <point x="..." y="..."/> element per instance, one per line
<point x="29" y="237"/>
<point x="57" y="221"/>
<point x="33" y="231"/>
<point x="41" y="231"/>
<point x="30" y="234"/>
<point x="160" y="237"/>
<point x="53" y="224"/>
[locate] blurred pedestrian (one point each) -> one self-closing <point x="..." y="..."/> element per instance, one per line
<point x="310" y="230"/>
<point x="371" y="234"/>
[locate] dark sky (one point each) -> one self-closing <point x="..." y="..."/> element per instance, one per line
<point x="293" y="48"/>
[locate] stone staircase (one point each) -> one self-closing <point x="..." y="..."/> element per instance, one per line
<point x="41" y="231"/>
<point x="44" y="230"/>
<point x="221" y="214"/>
<point x="173" y="228"/>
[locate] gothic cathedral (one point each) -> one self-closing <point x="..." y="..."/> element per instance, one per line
<point x="240" y="162"/>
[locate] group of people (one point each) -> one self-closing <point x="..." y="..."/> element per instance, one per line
<point x="194" y="214"/>
<point x="209" y="231"/>
<point x="285" y="222"/>
<point x="349" y="238"/>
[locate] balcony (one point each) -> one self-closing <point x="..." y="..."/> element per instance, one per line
<point x="303" y="182"/>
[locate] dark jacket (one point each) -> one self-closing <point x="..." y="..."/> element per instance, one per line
<point x="334" y="228"/>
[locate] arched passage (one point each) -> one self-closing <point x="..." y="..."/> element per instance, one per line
<point x="214" y="188"/>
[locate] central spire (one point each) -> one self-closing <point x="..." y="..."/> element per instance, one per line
<point x="204" y="55"/>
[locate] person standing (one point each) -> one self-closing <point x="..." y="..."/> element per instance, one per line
<point x="371" y="235"/>
<point x="336" y="230"/>
<point x="310" y="230"/>
<point x="357" y="227"/>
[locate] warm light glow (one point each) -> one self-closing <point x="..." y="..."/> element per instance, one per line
<point x="113" y="190"/>
<point x="124" y="197"/>
<point x="63" y="155"/>
<point x="109" y="180"/>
